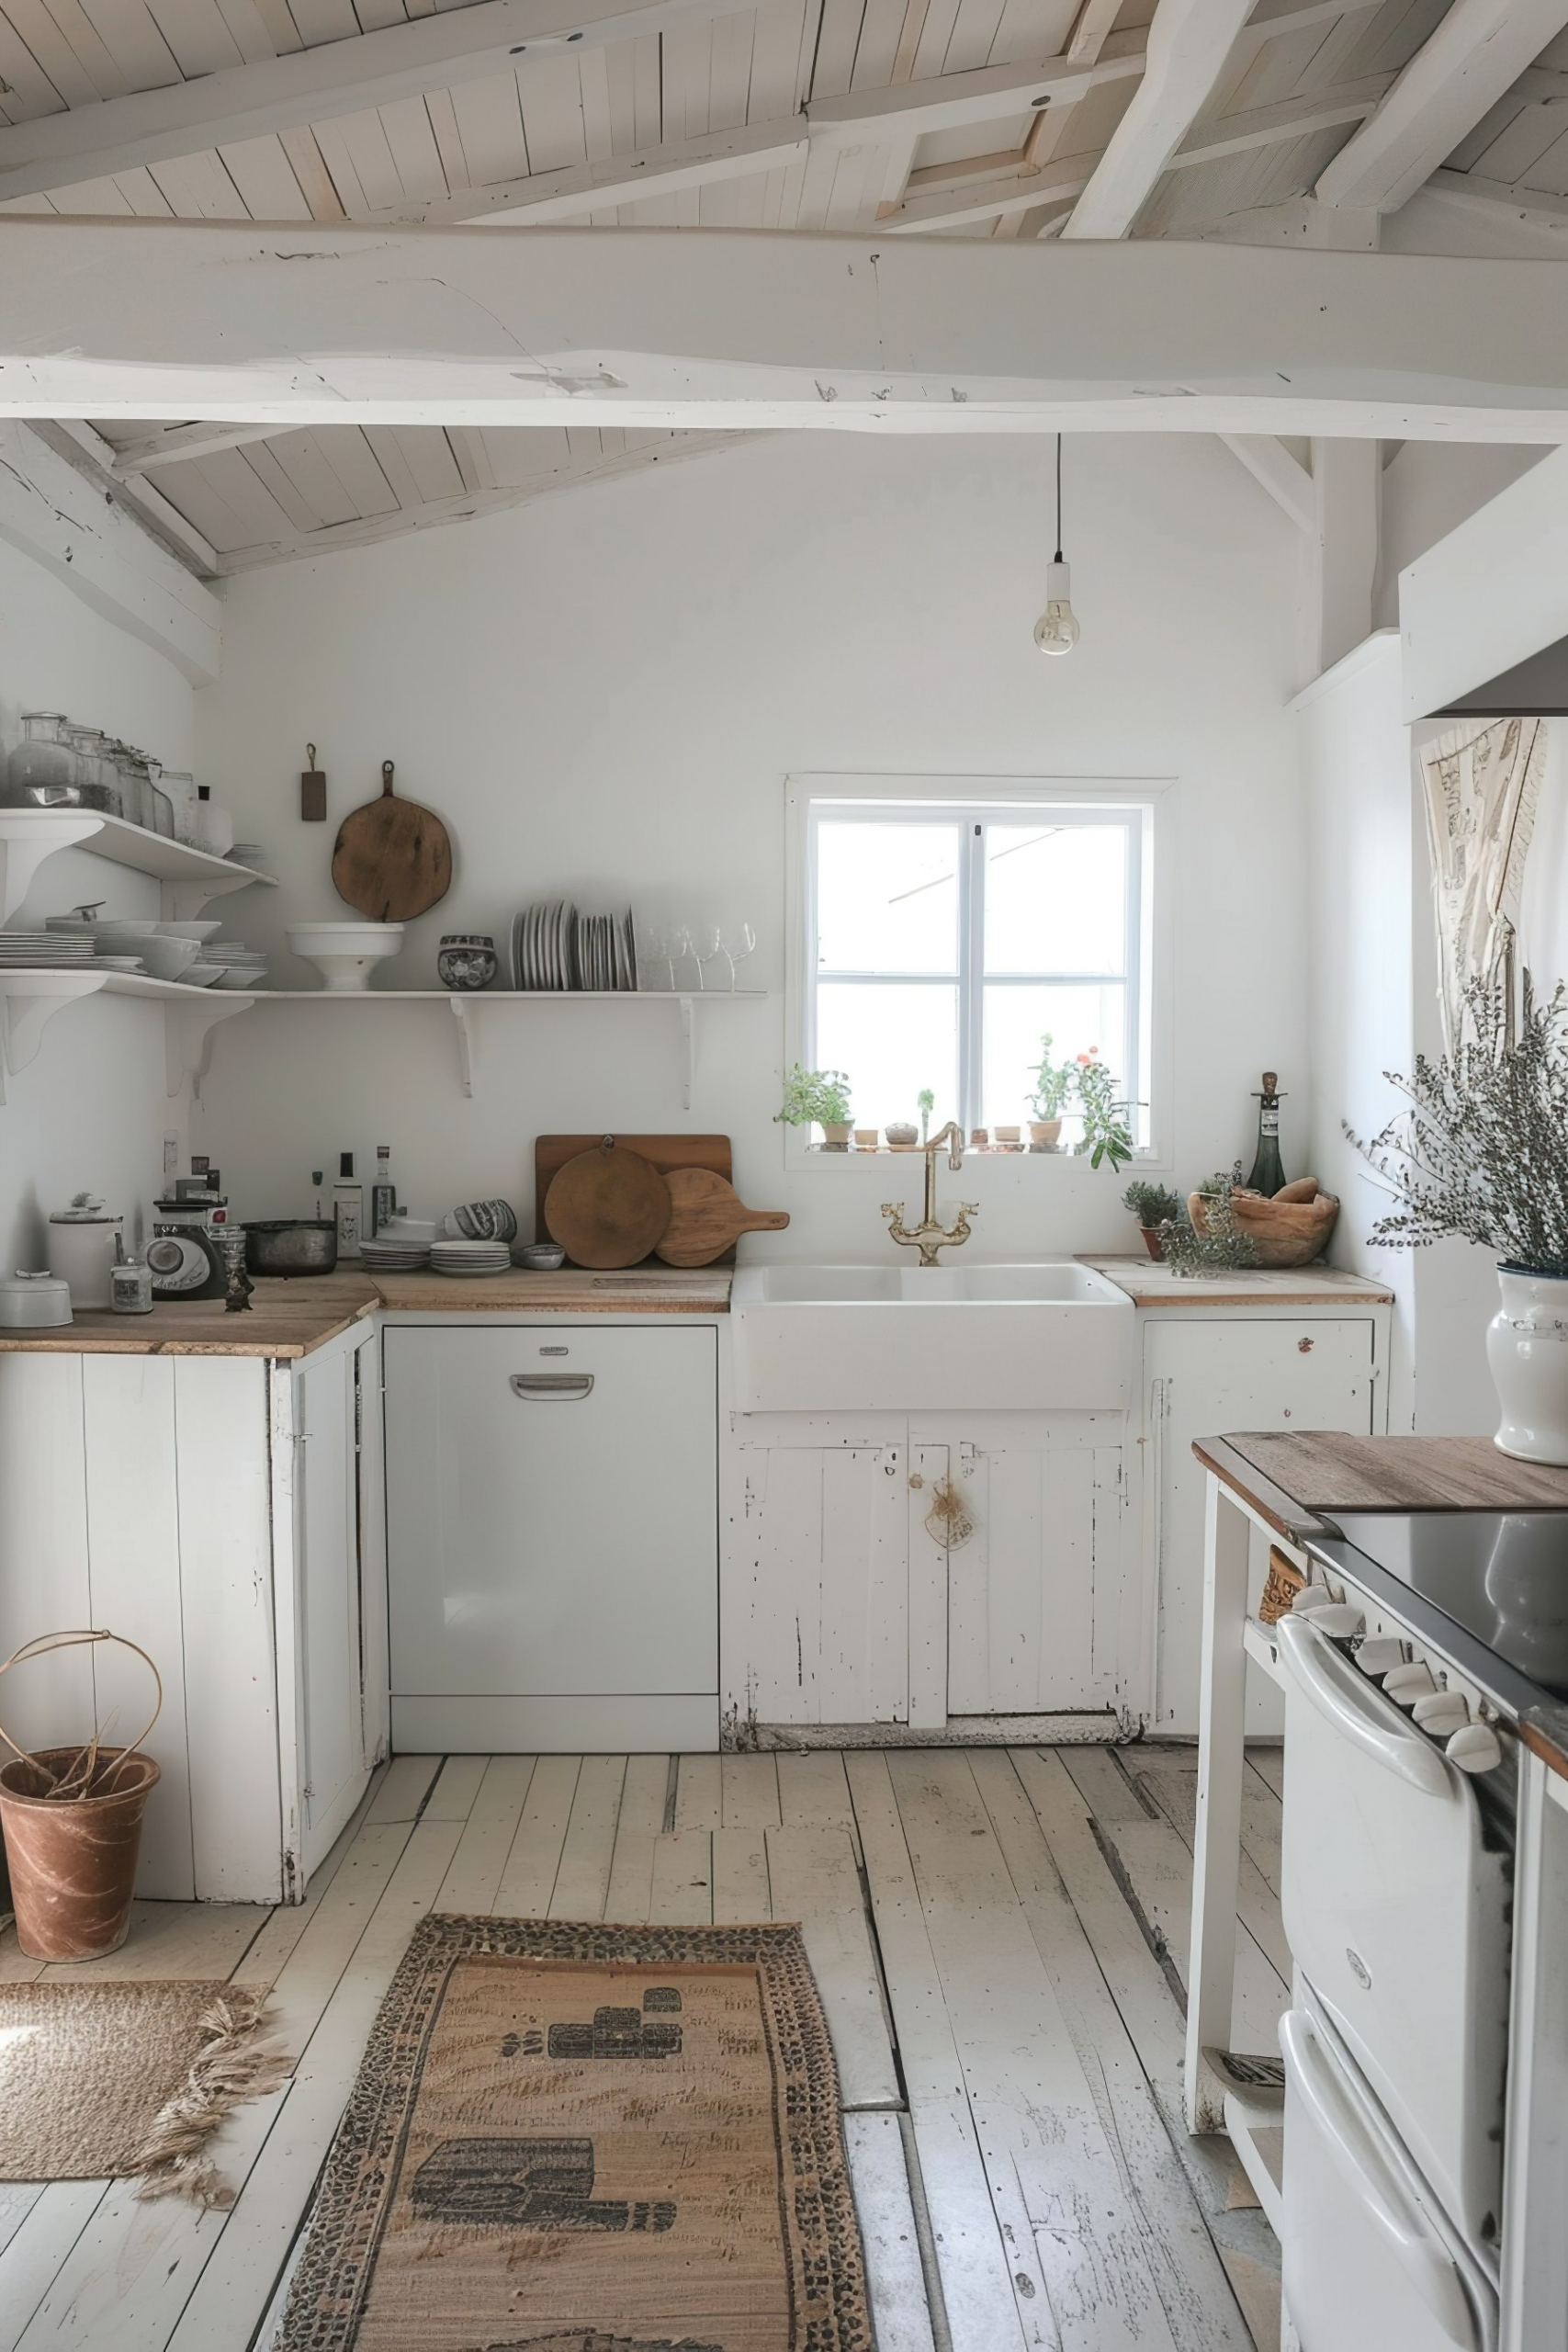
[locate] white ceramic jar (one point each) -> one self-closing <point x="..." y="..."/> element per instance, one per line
<point x="1527" y="1349"/>
<point x="83" y="1244"/>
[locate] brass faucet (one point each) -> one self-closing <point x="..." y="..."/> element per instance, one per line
<point x="928" y="1236"/>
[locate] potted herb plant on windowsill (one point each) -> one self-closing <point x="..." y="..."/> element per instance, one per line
<point x="1055" y="1085"/>
<point x="1480" y="1155"/>
<point x="820" y="1098"/>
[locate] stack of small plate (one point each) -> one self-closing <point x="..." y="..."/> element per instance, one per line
<point x="49" y="951"/>
<point x="242" y="966"/>
<point x="606" y="953"/>
<point x="387" y="1254"/>
<point x="542" y="940"/>
<point x="471" y="1257"/>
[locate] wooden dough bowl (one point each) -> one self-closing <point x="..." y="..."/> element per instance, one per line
<point x="1292" y="1229"/>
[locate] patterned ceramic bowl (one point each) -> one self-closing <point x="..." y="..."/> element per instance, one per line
<point x="467" y="959"/>
<point x="481" y="1221"/>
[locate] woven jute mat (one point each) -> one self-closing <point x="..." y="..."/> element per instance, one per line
<point x="106" y="2081"/>
<point x="593" y="2139"/>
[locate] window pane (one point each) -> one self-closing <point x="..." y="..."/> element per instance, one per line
<point x="887" y="898"/>
<point x="1056" y="897"/>
<point x="1078" y="1017"/>
<point x="892" y="1041"/>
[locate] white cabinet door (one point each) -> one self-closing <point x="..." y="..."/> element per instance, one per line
<point x="326" y="1500"/>
<point x="552" y="1530"/>
<point x="1037" y="1578"/>
<point x="1201" y="1380"/>
<point x="825" y="1578"/>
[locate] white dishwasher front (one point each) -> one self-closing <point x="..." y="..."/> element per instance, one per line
<point x="552" y="1537"/>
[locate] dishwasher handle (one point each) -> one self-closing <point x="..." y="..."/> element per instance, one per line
<point x="1345" y="1696"/>
<point x="552" y="1387"/>
<point x="1417" y="2249"/>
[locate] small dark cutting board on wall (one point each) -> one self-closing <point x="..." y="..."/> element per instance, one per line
<point x="551" y="1154"/>
<point x="393" y="859"/>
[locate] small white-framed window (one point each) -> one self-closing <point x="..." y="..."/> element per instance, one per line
<point x="944" y="927"/>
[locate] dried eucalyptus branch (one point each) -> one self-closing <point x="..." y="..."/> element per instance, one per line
<point x="1481" y="1154"/>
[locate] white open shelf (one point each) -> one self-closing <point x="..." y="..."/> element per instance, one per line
<point x="469" y="1007"/>
<point x="189" y="877"/>
<point x="30" y="1000"/>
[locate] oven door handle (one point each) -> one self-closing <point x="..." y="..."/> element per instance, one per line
<point x="1419" y="2252"/>
<point x="1354" y="1706"/>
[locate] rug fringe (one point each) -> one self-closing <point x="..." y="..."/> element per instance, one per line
<point x="238" y="2063"/>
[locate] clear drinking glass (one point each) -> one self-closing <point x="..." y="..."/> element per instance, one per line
<point x="707" y="946"/>
<point x="738" y="941"/>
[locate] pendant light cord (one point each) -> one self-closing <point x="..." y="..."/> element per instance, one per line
<point x="1057" y="558"/>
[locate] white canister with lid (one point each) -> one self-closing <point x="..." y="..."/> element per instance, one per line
<point x="84" y="1242"/>
<point x="33" y="1302"/>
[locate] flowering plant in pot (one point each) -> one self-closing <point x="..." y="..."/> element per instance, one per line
<point x="1106" y="1134"/>
<point x="1480" y="1154"/>
<point x="819" y="1097"/>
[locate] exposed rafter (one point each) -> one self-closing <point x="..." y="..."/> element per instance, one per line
<point x="1189" y="42"/>
<point x="1288" y="483"/>
<point x="1476" y="53"/>
<point x="1532" y="206"/>
<point x="177" y="441"/>
<point x="653" y="328"/>
<point x="86" y="449"/>
<point x="340" y="78"/>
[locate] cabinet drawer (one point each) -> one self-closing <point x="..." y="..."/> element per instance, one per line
<point x="552" y="1510"/>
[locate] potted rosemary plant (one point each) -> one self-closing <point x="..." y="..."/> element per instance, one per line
<point x="1481" y="1154"/>
<point x="1153" y="1205"/>
<point x="818" y="1097"/>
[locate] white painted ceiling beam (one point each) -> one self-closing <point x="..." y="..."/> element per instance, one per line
<point x="404" y="60"/>
<point x="54" y="515"/>
<point x="1271" y="466"/>
<point x="177" y="441"/>
<point x="350" y="324"/>
<point x="1475" y="54"/>
<point x="1188" y="44"/>
<point x="1533" y="206"/>
<point x="954" y="101"/>
<point x="83" y="446"/>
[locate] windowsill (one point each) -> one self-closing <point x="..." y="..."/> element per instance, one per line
<point x="1145" y="1161"/>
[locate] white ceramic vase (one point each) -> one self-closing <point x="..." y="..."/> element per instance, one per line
<point x="1526" y="1348"/>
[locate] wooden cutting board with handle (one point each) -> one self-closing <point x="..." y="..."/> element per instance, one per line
<point x="393" y="859"/>
<point x="707" y="1216"/>
<point x="608" y="1206"/>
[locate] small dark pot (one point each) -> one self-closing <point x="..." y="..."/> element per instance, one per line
<point x="291" y="1245"/>
<point x="467" y="959"/>
<point x="1152" y="1242"/>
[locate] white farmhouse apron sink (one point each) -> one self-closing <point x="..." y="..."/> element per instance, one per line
<point x="1046" y="1337"/>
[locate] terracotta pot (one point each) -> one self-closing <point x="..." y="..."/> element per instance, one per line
<point x="867" y="1138"/>
<point x="836" y="1137"/>
<point x="1044" y="1134"/>
<point x="73" y="1860"/>
<point x="1010" y="1134"/>
<point x="1152" y="1242"/>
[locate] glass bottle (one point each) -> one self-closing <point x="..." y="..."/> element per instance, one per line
<point x="383" y="1192"/>
<point x="180" y="785"/>
<point x="41" y="771"/>
<point x="163" y="818"/>
<point x="1268" y="1175"/>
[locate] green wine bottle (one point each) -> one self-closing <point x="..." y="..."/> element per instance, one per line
<point x="1268" y="1175"/>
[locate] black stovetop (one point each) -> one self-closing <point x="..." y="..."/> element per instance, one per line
<point x="1500" y="1576"/>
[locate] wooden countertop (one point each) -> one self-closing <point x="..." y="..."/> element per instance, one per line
<point x="292" y="1319"/>
<point x="1323" y="1470"/>
<point x="1149" y="1283"/>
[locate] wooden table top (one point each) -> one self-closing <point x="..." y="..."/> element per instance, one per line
<point x="290" y="1318"/>
<point x="1325" y="1470"/>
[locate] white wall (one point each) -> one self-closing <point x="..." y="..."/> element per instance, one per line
<point x="603" y="693"/>
<point x="90" y="1111"/>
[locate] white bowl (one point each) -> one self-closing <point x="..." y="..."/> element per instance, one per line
<point x="166" y="959"/>
<point x="345" y="953"/>
<point x="130" y="926"/>
<point x="198" y="930"/>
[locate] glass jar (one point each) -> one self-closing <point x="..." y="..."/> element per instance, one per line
<point x="130" y="1288"/>
<point x="162" y="806"/>
<point x="180" y="785"/>
<point x="100" y="778"/>
<point x="135" y="797"/>
<point x="41" y="771"/>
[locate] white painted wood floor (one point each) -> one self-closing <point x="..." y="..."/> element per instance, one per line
<point x="998" y="1936"/>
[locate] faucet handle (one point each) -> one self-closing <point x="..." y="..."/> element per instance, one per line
<point x="892" y="1208"/>
<point x="968" y="1208"/>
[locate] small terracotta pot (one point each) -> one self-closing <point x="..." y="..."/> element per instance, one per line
<point x="866" y="1138"/>
<point x="836" y="1137"/>
<point x="1152" y="1242"/>
<point x="1044" y="1134"/>
<point x="73" y="1860"/>
<point x="1010" y="1134"/>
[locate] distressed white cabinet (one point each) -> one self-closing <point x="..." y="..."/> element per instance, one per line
<point x="1207" y="1372"/>
<point x="164" y="1497"/>
<point x="888" y="1571"/>
<point x="553" y="1536"/>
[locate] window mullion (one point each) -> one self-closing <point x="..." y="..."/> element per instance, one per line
<point x="971" y="991"/>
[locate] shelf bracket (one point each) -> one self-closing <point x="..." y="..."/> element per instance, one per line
<point x="463" y="1013"/>
<point x="28" y="1009"/>
<point x="688" y="1051"/>
<point x="25" y="846"/>
<point x="188" y="1037"/>
<point x="184" y="897"/>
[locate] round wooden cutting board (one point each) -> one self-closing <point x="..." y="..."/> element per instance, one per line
<point x="607" y="1207"/>
<point x="707" y="1216"/>
<point x="393" y="859"/>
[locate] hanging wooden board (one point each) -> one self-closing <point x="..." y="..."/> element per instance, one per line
<point x="393" y="859"/>
<point x="608" y="1206"/>
<point x="707" y="1216"/>
<point x="664" y="1152"/>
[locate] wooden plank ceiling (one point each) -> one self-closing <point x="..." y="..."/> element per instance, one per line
<point x="820" y="115"/>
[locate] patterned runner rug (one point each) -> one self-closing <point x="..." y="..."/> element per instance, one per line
<point x="588" y="2139"/>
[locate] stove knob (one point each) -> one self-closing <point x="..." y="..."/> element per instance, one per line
<point x="1339" y="1621"/>
<point x="1408" y="1683"/>
<point x="1476" y="1749"/>
<point x="1442" y="1712"/>
<point x="1379" y="1654"/>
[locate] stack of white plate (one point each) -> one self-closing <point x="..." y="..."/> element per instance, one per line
<point x="240" y="967"/>
<point x="606" y="952"/>
<point x="554" y="947"/>
<point x="46" y="951"/>
<point x="386" y="1254"/>
<point x="471" y="1257"/>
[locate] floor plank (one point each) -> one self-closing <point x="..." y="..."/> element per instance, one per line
<point x="681" y="1891"/>
<point x="814" y="1792"/>
<point x="528" y="1880"/>
<point x="475" y="1875"/>
<point x="741" y="1893"/>
<point x="404" y="1790"/>
<point x="699" y="1797"/>
<point x="171" y="1939"/>
<point x="748" y="1792"/>
<point x="894" y="2276"/>
<point x="582" y="1882"/>
<point x="814" y="1880"/>
<point x="457" y="1786"/>
<point x="37" y="2250"/>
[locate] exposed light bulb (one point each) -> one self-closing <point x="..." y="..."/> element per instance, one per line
<point x="1056" y="630"/>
